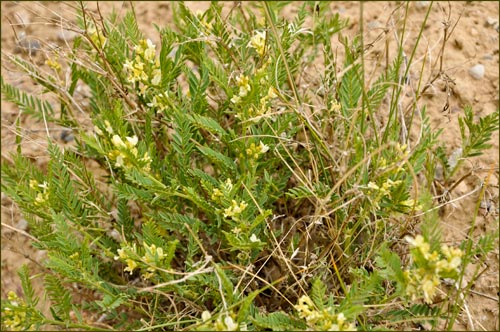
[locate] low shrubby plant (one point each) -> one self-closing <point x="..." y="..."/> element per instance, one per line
<point x="236" y="190"/>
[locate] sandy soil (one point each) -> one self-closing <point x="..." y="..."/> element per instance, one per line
<point x="473" y="41"/>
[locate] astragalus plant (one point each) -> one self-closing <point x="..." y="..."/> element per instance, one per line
<point x="231" y="187"/>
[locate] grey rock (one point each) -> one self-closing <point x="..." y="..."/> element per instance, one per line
<point x="67" y="136"/>
<point x="477" y="72"/>
<point x="27" y="45"/>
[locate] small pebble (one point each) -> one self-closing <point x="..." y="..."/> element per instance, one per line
<point x="373" y="25"/>
<point x="459" y="44"/>
<point x="422" y="4"/>
<point x="66" y="35"/>
<point x="22" y="225"/>
<point x="491" y="21"/>
<point x="67" y="136"/>
<point x="477" y="72"/>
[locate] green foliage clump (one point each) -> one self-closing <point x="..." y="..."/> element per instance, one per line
<point x="234" y="195"/>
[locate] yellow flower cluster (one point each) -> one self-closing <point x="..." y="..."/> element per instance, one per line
<point x="159" y="101"/>
<point x="123" y="149"/>
<point x="223" y="323"/>
<point x="223" y="190"/>
<point x="125" y="152"/>
<point x="385" y="191"/>
<point x="126" y="254"/>
<point x="42" y="191"/>
<point x="207" y="26"/>
<point x="423" y="280"/>
<point x="145" y="68"/>
<point x="324" y="320"/>
<point x="235" y="210"/>
<point x="153" y="256"/>
<point x="264" y="108"/>
<point x="258" y="42"/>
<point x="254" y="151"/>
<point x="96" y="36"/>
<point x="53" y="63"/>
<point x="12" y="318"/>
<point x="243" y="83"/>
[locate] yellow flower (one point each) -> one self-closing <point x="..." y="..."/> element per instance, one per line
<point x="453" y="259"/>
<point x="254" y="238"/>
<point x="53" y="63"/>
<point x="429" y="287"/>
<point x="228" y="185"/>
<point x="206" y="315"/>
<point x="153" y="253"/>
<point x="109" y="129"/>
<point x="271" y="93"/>
<point x="216" y="194"/>
<point x="97" y="37"/>
<point x="150" y="50"/>
<point x="254" y="151"/>
<point x="34" y="184"/>
<point x="131" y="265"/>
<point x="235" y="209"/>
<point x="120" y="160"/>
<point x="419" y="243"/>
<point x="40" y="198"/>
<point x="409" y="203"/>
<point x="336" y="106"/>
<point x="263" y="148"/>
<point x="121" y="254"/>
<point x="258" y="42"/>
<point x="244" y="83"/>
<point x="118" y="142"/>
<point x="304" y="306"/>
<point x="235" y="99"/>
<point x="12" y="296"/>
<point x="131" y="141"/>
<point x="148" y="275"/>
<point x="230" y="324"/>
<point x="156" y="77"/>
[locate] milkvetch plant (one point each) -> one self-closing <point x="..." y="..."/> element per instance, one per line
<point x="234" y="196"/>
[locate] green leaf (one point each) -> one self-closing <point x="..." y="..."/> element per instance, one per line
<point x="390" y="267"/>
<point x="27" y="103"/>
<point x="318" y="293"/>
<point x="110" y="302"/>
<point x="475" y="141"/>
<point x="350" y="89"/>
<point x="59" y="296"/>
<point x="218" y="158"/>
<point x="278" y="321"/>
<point x="209" y="124"/>
<point x="29" y="292"/>
<point x="225" y="283"/>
